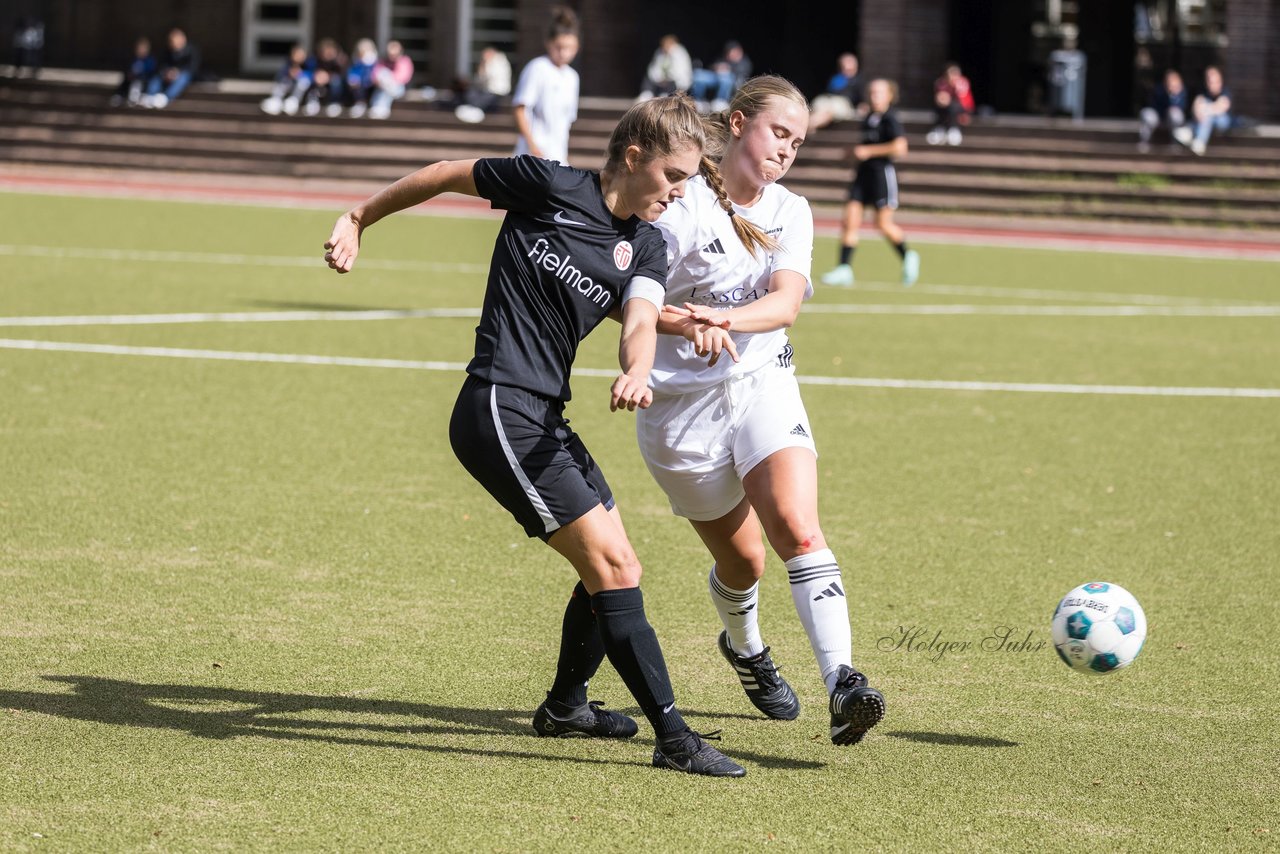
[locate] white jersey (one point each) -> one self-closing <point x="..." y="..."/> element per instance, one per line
<point x="550" y="99"/>
<point x="708" y="265"/>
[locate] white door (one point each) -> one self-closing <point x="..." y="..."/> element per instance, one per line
<point x="269" y="29"/>
<point x="408" y="22"/>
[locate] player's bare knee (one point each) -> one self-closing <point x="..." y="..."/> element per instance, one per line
<point x="796" y="534"/>
<point x="620" y="568"/>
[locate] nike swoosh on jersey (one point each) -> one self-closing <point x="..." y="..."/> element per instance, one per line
<point x="564" y="220"/>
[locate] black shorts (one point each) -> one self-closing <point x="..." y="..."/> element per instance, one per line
<point x="519" y="446"/>
<point x="875" y="184"/>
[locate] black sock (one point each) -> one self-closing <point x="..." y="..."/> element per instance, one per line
<point x="900" y="248"/>
<point x="846" y="254"/>
<point x="580" y="651"/>
<point x="633" y="651"/>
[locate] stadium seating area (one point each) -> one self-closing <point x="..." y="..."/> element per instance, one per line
<point x="1024" y="166"/>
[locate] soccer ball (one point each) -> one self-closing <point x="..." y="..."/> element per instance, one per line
<point x="1098" y="627"/>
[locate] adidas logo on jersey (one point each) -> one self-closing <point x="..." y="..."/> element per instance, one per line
<point x="715" y="247"/>
<point x="799" y="430"/>
<point x="833" y="589"/>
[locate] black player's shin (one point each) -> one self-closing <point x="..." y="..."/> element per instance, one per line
<point x="633" y="650"/>
<point x="581" y="651"/>
<point x="566" y="711"/>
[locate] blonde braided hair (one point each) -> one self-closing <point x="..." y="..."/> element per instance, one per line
<point x="751" y="99"/>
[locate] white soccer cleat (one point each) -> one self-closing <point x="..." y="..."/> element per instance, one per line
<point x="469" y="113"/>
<point x="840" y="277"/>
<point x="910" y="267"/>
<point x="954" y="137"/>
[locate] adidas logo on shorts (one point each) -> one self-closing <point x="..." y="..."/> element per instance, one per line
<point x="799" y="430"/>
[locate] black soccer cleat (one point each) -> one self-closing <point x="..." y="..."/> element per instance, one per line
<point x="688" y="752"/>
<point x="588" y="720"/>
<point x="855" y="707"/>
<point x="766" y="690"/>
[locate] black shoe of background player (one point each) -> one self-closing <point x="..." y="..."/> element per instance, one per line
<point x="688" y="752"/>
<point x="587" y="720"/>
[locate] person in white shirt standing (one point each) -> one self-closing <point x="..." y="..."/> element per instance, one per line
<point x="546" y="97"/>
<point x="728" y="439"/>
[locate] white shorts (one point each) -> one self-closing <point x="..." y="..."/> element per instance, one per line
<point x="699" y="446"/>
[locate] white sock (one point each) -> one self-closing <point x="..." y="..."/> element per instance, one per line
<point x="819" y="597"/>
<point x="739" y="614"/>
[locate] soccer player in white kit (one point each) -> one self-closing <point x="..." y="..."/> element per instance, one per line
<point x="546" y="95"/>
<point x="729" y="440"/>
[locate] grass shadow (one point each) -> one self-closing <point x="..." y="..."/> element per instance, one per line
<point x="202" y="711"/>
<point x="952" y="739"/>
<point x="300" y="305"/>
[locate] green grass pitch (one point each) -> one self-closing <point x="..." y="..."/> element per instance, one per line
<point x="258" y="606"/>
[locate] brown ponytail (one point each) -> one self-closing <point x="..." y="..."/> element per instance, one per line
<point x="564" y="22"/>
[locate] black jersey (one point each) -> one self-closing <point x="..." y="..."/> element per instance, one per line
<point x="878" y="128"/>
<point x="560" y="264"/>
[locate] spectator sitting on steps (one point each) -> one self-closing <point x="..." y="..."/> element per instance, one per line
<point x="1167" y="106"/>
<point x="1212" y="109"/>
<point x="670" y="70"/>
<point x="492" y="81"/>
<point x="360" y="77"/>
<point x="28" y="46"/>
<point x="179" y="65"/>
<point x="844" y="99"/>
<point x="391" y="78"/>
<point x="136" y="76"/>
<point x="291" y="84"/>
<point x="953" y="103"/>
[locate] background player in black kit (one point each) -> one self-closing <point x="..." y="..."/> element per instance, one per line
<point x="575" y="247"/>
<point x="875" y="183"/>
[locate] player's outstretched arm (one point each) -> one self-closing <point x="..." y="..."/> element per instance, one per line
<point x="447" y="176"/>
<point x="635" y="354"/>
<point x="777" y="309"/>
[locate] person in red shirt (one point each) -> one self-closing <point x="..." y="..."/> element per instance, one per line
<point x="953" y="100"/>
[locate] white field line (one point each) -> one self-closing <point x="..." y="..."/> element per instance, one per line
<point x="233" y="259"/>
<point x="820" y="308"/>
<point x="1041" y="294"/>
<point x="1054" y="310"/>
<point x="852" y="382"/>
<point x="233" y="317"/>
<point x="229" y="259"/>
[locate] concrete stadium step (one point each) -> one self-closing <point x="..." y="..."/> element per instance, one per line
<point x="1016" y="166"/>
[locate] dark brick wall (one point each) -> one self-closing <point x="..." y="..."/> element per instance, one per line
<point x="1251" y="63"/>
<point x="907" y="42"/>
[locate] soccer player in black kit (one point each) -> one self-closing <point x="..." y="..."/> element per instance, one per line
<point x="575" y="247"/>
<point x="875" y="183"/>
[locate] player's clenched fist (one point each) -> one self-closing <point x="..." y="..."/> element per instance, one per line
<point x="343" y="245"/>
<point x="630" y="393"/>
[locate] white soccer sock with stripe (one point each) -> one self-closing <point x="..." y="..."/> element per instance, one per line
<point x="739" y="614"/>
<point x="819" y="597"/>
